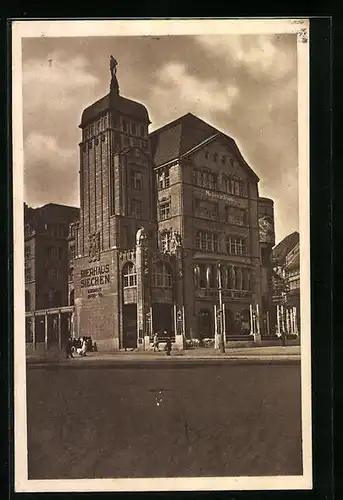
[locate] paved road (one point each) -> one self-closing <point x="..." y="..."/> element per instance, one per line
<point x="148" y="420"/>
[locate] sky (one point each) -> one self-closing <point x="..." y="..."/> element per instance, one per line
<point x="244" y="85"/>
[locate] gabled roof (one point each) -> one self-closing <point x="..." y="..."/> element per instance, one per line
<point x="185" y="136"/>
<point x="285" y="246"/>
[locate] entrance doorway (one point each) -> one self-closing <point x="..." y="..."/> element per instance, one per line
<point x="129" y="326"/>
<point x="162" y="318"/>
<point x="205" y="324"/>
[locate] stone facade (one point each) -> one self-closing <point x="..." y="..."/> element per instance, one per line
<point x="159" y="214"/>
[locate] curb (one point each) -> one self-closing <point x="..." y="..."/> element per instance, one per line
<point x="159" y="363"/>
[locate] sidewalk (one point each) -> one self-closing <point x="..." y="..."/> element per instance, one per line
<point x="249" y="354"/>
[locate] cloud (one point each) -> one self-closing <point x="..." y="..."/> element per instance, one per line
<point x="259" y="55"/>
<point x="175" y="85"/>
<point x="54" y="88"/>
<point x="50" y="171"/>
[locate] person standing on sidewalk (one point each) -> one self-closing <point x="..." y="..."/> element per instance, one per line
<point x="155" y="342"/>
<point x="168" y="344"/>
<point x="69" y="348"/>
<point x="284" y="338"/>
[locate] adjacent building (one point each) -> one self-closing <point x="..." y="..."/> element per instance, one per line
<point x="171" y="224"/>
<point x="46" y="232"/>
<point x="286" y="282"/>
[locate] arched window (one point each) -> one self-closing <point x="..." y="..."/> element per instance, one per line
<point x="129" y="275"/>
<point x="27" y="301"/>
<point x="162" y="275"/>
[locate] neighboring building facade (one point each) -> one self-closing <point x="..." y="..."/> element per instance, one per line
<point x="159" y="214"/>
<point x="46" y="256"/>
<point x="286" y="280"/>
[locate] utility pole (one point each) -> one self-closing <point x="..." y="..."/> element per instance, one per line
<point x="221" y="325"/>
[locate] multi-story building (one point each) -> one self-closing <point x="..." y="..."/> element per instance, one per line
<point x="161" y="215"/>
<point x="286" y="268"/>
<point x="46" y="256"/>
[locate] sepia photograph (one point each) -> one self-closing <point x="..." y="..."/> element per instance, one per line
<point x="161" y="255"/>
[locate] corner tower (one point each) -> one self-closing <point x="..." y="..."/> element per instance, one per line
<point x="115" y="170"/>
<point x="116" y="199"/>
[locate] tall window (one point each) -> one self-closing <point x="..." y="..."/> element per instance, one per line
<point x="163" y="180"/>
<point x="136" y="209"/>
<point x="235" y="215"/>
<point x="162" y="276"/>
<point x="234" y="186"/>
<point x="129" y="275"/>
<point x="125" y="125"/>
<point x="205" y="179"/>
<point x="236" y="245"/>
<point x="164" y="209"/>
<point x="136" y="181"/>
<point x="206" y="240"/>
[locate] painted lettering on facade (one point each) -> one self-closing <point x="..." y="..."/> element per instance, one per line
<point x="95" y="276"/>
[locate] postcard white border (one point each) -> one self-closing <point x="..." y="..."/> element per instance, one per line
<point x="79" y="28"/>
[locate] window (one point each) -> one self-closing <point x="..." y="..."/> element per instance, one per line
<point x="27" y="251"/>
<point x="136" y="181"/>
<point x="215" y="156"/>
<point x="206" y="155"/>
<point x="126" y="141"/>
<point x="162" y="276"/>
<point x="204" y="179"/>
<point x="206" y="241"/>
<point x="164" y="209"/>
<point x="163" y="180"/>
<point x="236" y="245"/>
<point x="234" y="215"/>
<point x="142" y="130"/>
<point x="28" y="274"/>
<point x="129" y="275"/>
<point x="125" y="125"/>
<point x="234" y="186"/>
<point x="223" y="159"/>
<point x="206" y="209"/>
<point x="133" y="129"/>
<point x="136" y="209"/>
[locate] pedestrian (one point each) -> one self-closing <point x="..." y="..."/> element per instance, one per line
<point x="155" y="342"/>
<point x="69" y="348"/>
<point x="168" y="343"/>
<point x="284" y="338"/>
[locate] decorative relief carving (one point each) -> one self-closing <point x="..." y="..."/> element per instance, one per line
<point x="94" y="247"/>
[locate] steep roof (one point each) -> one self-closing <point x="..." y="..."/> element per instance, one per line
<point x="184" y="136"/>
<point x="117" y="103"/>
<point x="285" y="246"/>
<point x="295" y="263"/>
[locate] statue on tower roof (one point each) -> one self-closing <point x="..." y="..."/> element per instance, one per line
<point x="114" y="86"/>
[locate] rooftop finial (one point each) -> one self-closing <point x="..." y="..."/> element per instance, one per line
<point x="114" y="86"/>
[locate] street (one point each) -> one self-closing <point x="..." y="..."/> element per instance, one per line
<point x="150" y="420"/>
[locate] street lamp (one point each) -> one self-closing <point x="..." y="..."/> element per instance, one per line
<point x="221" y="319"/>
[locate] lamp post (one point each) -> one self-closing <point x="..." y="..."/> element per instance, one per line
<point x="222" y="343"/>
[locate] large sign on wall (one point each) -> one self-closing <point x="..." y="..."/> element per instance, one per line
<point x="92" y="278"/>
<point x="266" y="229"/>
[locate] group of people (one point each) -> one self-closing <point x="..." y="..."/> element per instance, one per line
<point x="76" y="346"/>
<point x="166" y="338"/>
